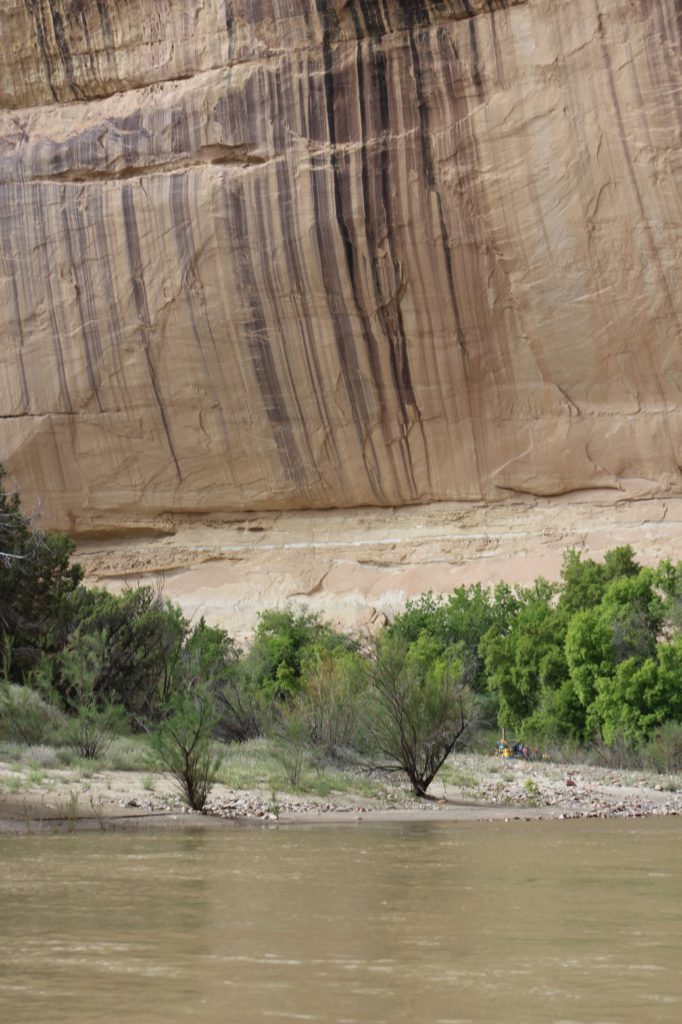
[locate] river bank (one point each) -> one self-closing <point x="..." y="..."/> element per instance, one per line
<point x="470" y="787"/>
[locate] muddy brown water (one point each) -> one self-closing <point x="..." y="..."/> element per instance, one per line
<point x="426" y="923"/>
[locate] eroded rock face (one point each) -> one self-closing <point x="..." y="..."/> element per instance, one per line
<point x="271" y="254"/>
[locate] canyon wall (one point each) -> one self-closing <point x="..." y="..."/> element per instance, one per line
<point x="290" y="254"/>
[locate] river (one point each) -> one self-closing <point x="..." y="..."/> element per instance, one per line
<point x="426" y="923"/>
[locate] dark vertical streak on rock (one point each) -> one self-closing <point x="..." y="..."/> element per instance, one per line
<point x="47" y="271"/>
<point x="496" y="43"/>
<point x="263" y="203"/>
<point x="315" y="374"/>
<point x="373" y="18"/>
<point x="185" y="249"/>
<point x="622" y="137"/>
<point x="231" y="31"/>
<point x="63" y="47"/>
<point x="260" y="349"/>
<point x="10" y="274"/>
<point x="91" y="348"/>
<point x="430" y="177"/>
<point x="473" y="46"/>
<point x="180" y="141"/>
<point x="280" y="131"/>
<point x="359" y="34"/>
<point x="344" y="343"/>
<point x="286" y="205"/>
<point x="97" y="204"/>
<point x="414" y="12"/>
<point x="229" y="28"/>
<point x="37" y="14"/>
<point x="105" y="22"/>
<point x="651" y="241"/>
<point x="389" y="313"/>
<point x="90" y="48"/>
<point x="229" y="17"/>
<point x="140" y="297"/>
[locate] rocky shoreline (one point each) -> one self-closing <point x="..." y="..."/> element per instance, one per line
<point x="472" y="787"/>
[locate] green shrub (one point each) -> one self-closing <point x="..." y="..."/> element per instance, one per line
<point x="248" y="764"/>
<point x="91" y="726"/>
<point x="420" y="708"/>
<point x="619" y="753"/>
<point x="37" y="581"/>
<point x="139" y="637"/>
<point x="333" y="700"/>
<point x="664" y="750"/>
<point x="87" y="767"/>
<point x="35" y="777"/>
<point x="66" y="756"/>
<point x="290" y="731"/>
<point x="41" y="757"/>
<point x="89" y="730"/>
<point x="283" y="643"/>
<point x="183" y="743"/>
<point x="10" y="751"/>
<point x="26" y="717"/>
<point x="127" y="754"/>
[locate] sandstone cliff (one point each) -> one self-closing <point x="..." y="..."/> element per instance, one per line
<point x="271" y="254"/>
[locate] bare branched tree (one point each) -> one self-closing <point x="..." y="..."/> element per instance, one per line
<point x="420" y="712"/>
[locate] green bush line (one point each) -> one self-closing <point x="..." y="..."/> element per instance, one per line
<point x="593" y="662"/>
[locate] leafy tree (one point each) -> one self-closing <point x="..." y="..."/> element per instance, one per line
<point x="142" y="637"/>
<point x="612" y="651"/>
<point x="458" y="624"/>
<point x="527" y="659"/>
<point x="668" y="582"/>
<point x="209" y="652"/>
<point x="620" y="563"/>
<point x="584" y="581"/>
<point x="284" y="639"/>
<point x="558" y="715"/>
<point x="641" y="695"/>
<point x="36" y="582"/>
<point x="323" y="716"/>
<point x="421" y="708"/>
<point x="425" y="614"/>
<point x="590" y="653"/>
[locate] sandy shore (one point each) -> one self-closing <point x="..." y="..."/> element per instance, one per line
<point x="472" y="788"/>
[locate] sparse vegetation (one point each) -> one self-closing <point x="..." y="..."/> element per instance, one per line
<point x="421" y="707"/>
<point x="127" y="754"/>
<point x="184" y="745"/>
